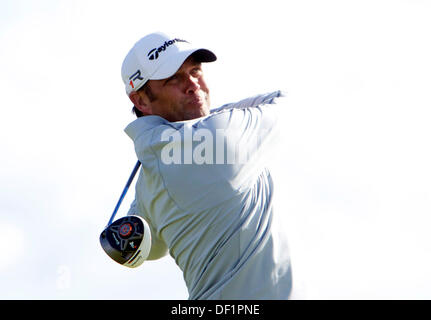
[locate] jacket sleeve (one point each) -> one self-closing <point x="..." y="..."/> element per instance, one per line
<point x="267" y="98"/>
<point x="251" y="129"/>
<point x="226" y="152"/>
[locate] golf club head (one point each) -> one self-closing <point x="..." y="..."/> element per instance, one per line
<point x="127" y="241"/>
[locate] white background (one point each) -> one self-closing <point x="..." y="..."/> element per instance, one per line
<point x="355" y="180"/>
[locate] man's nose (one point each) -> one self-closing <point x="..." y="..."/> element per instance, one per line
<point x="192" y="84"/>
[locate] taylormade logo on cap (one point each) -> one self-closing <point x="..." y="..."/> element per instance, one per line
<point x="154" y="53"/>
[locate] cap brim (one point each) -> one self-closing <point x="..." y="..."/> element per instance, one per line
<point x="171" y="66"/>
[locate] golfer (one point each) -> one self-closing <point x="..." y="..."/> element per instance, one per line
<point x="204" y="187"/>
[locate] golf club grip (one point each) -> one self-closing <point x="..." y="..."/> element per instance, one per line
<point x="123" y="194"/>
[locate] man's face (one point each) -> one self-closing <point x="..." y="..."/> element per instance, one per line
<point x="183" y="96"/>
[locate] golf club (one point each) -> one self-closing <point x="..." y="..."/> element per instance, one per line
<point x="128" y="239"/>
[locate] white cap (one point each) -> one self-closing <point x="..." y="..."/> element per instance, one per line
<point x="158" y="56"/>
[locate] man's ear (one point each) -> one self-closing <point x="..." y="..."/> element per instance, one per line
<point x="140" y="102"/>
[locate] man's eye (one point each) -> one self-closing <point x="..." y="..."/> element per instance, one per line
<point x="196" y="71"/>
<point x="174" y="77"/>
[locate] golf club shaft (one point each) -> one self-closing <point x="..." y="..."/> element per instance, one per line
<point x="129" y="182"/>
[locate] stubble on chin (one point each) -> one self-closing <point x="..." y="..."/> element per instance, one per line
<point x="197" y="109"/>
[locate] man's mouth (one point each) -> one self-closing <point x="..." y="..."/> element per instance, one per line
<point x="196" y="100"/>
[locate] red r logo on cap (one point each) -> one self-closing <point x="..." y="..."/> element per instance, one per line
<point x="133" y="77"/>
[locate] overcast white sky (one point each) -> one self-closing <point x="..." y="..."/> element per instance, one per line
<point x="355" y="176"/>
